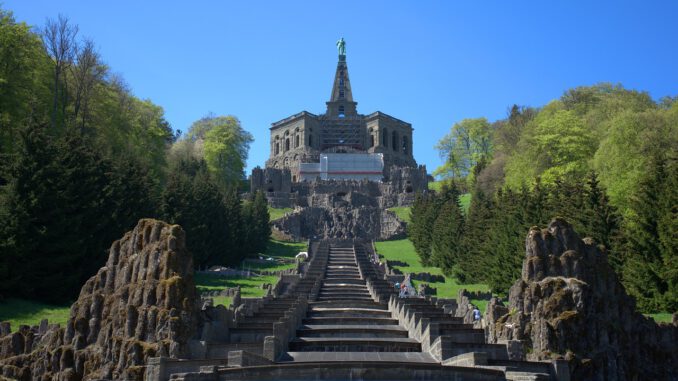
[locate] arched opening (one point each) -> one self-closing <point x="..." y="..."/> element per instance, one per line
<point x="296" y="141"/>
<point x="394" y="141"/>
<point x="371" y="141"/>
<point x="384" y="138"/>
<point x="287" y="144"/>
<point x="310" y="140"/>
<point x="341" y="108"/>
<point x="277" y="148"/>
<point x="294" y="178"/>
<point x="405" y="145"/>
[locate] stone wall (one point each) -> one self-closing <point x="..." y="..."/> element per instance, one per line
<point x="570" y="304"/>
<point x="341" y="222"/>
<point x="398" y="189"/>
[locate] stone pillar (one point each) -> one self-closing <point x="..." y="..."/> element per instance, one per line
<point x="156" y="369"/>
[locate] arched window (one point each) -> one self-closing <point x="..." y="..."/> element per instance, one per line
<point x="277" y="148"/>
<point x="371" y="141"/>
<point x="405" y="145"/>
<point x="394" y="141"/>
<point x="384" y="138"/>
<point x="310" y="140"/>
<point x="287" y="144"/>
<point x="341" y="110"/>
<point x="296" y="141"/>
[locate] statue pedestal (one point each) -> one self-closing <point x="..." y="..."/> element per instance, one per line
<point x="342" y="57"/>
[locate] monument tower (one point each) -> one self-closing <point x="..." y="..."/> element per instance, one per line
<point x="311" y="145"/>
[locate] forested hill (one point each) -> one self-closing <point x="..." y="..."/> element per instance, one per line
<point x="83" y="159"/>
<point x="603" y="157"/>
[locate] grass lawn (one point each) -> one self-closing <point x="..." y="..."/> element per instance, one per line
<point x="661" y="317"/>
<point x="276" y="213"/>
<point x="278" y="250"/>
<point x="403" y="250"/>
<point x="251" y="287"/>
<point x="21" y="311"/>
<point x="403" y="212"/>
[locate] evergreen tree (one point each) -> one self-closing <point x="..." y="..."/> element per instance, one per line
<point x="473" y="261"/>
<point x="58" y="230"/>
<point x="191" y="200"/>
<point x="507" y="243"/>
<point x="446" y="237"/>
<point x="260" y="222"/>
<point x="668" y="234"/>
<point x="601" y="220"/>
<point x="235" y="227"/>
<point x="650" y="252"/>
<point x="420" y="226"/>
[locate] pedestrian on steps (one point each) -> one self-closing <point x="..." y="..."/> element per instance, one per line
<point x="476" y="314"/>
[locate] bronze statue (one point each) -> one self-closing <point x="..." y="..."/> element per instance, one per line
<point x="341" y="47"/>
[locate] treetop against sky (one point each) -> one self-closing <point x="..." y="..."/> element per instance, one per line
<point x="431" y="64"/>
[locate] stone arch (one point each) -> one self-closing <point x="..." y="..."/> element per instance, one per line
<point x="296" y="141"/>
<point x="287" y="144"/>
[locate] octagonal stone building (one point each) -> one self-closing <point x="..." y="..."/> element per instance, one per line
<point x="318" y="139"/>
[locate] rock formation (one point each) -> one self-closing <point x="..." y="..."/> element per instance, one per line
<point x="141" y="304"/>
<point x="569" y="303"/>
<point x="341" y="222"/>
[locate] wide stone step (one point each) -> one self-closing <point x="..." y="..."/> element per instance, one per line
<point x="344" y="280"/>
<point x="345" y="270"/>
<point x="351" y="331"/>
<point x="350" y="320"/>
<point x="398" y="357"/>
<point x="349" y="304"/>
<point x="348" y="344"/>
<point x="346" y="298"/>
<point x="343" y="286"/>
<point x="345" y="293"/>
<point x="349" y="313"/>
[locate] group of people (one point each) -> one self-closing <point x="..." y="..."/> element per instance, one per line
<point x="404" y="290"/>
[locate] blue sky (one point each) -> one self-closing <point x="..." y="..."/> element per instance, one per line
<point x="429" y="63"/>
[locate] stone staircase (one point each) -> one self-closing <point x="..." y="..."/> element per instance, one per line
<point x="346" y="323"/>
<point x="342" y="320"/>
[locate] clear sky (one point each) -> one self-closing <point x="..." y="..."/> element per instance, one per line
<point x="429" y="63"/>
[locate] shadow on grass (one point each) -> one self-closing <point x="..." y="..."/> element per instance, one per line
<point x="284" y="249"/>
<point x="21" y="311"/>
<point x="249" y="286"/>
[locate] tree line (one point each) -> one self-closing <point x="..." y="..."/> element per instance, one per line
<point x="82" y="160"/>
<point x="602" y="157"/>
